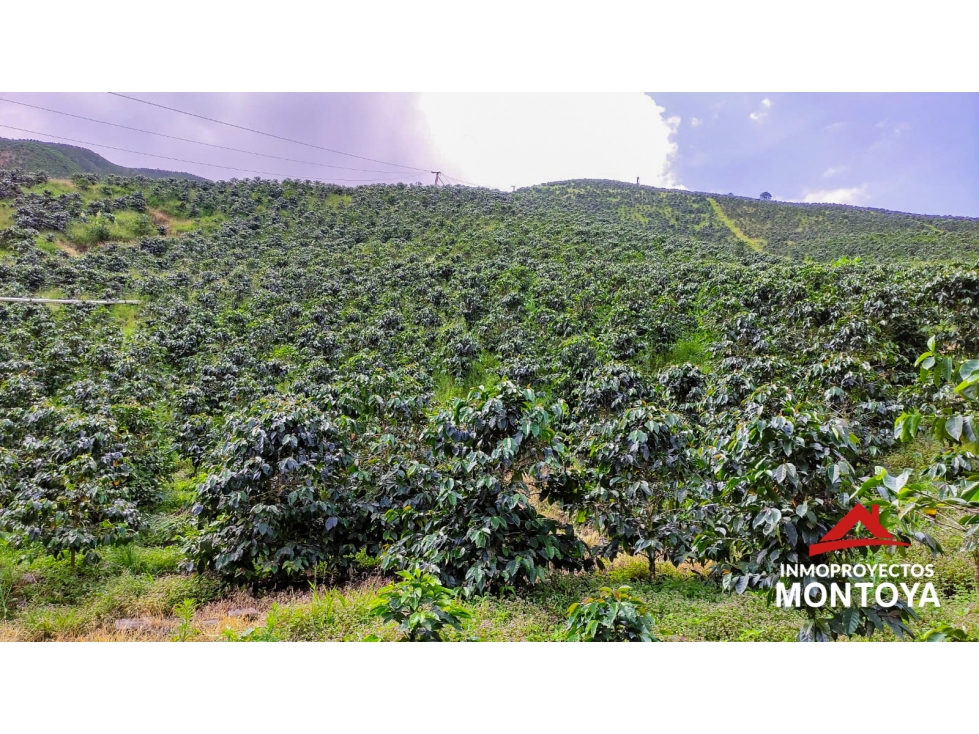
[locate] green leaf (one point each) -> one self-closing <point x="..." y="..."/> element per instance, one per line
<point x="896" y="483"/>
<point x="953" y="427"/>
<point x="850" y="619"/>
<point x="946" y="368"/>
<point x="968" y="367"/>
<point x="791" y="534"/>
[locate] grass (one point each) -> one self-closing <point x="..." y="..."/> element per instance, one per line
<point x="50" y="247"/>
<point x="41" y="600"/>
<point x="692" y="349"/>
<point x="130" y="226"/>
<point x="335" y="201"/>
<point x="44" y="600"/>
<point x="755" y="244"/>
<point x="482" y="372"/>
<point x="914" y="455"/>
<point x="54" y="243"/>
<point x="52" y="293"/>
<point x="685" y="607"/>
<point x="211" y="223"/>
<point x="56" y="186"/>
<point x="171" y="216"/>
<point x="126" y="315"/>
<point x="6" y="215"/>
<point x="127" y="227"/>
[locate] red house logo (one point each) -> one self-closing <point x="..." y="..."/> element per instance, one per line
<point x="833" y="540"/>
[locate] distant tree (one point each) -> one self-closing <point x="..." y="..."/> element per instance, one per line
<point x="765" y="196"/>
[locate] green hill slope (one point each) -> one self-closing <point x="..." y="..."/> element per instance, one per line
<point x="579" y="212"/>
<point x="785" y="229"/>
<point x="794" y="231"/>
<point x="60" y="160"/>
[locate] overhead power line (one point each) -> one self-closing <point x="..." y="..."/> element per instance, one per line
<point x="189" y="140"/>
<point x="269" y="135"/>
<point x="8" y="299"/>
<point x="459" y="180"/>
<point x="394" y="177"/>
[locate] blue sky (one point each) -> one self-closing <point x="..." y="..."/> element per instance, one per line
<point x="909" y="152"/>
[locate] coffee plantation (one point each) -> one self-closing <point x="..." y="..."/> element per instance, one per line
<point x="509" y="399"/>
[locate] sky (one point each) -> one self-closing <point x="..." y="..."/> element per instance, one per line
<point x="907" y="151"/>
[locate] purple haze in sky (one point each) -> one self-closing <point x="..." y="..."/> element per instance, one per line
<point x="910" y="152"/>
<point x="381" y="126"/>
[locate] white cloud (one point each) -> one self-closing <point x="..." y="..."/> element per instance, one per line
<point x="833" y="171"/>
<point x="762" y="112"/>
<point x="504" y="140"/>
<point x="854" y="195"/>
<point x="890" y="133"/>
<point x="833" y="127"/>
<point x="895" y="129"/>
<point x="695" y="122"/>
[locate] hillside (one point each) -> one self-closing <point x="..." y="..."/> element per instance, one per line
<point x="783" y="229"/>
<point x="527" y="396"/>
<point x="790" y="230"/>
<point x="59" y="160"/>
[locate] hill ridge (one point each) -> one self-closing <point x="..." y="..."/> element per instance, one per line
<point x="778" y="202"/>
<point x="62" y="160"/>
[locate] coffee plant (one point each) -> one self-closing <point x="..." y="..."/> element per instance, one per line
<point x="421" y="606"/>
<point x="614" y="615"/>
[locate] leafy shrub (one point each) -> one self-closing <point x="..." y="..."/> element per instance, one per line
<point x="276" y="504"/>
<point x="143" y="226"/>
<point x="615" y="615"/>
<point x="184" y="611"/>
<point x="68" y="492"/>
<point x="631" y="486"/>
<point x="471" y="521"/>
<point x="421" y="606"/>
<point x="364" y="300"/>
<point x="100" y="231"/>
<point x="945" y="633"/>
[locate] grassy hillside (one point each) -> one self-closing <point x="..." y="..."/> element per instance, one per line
<point x="529" y="395"/>
<point x="58" y="160"/>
